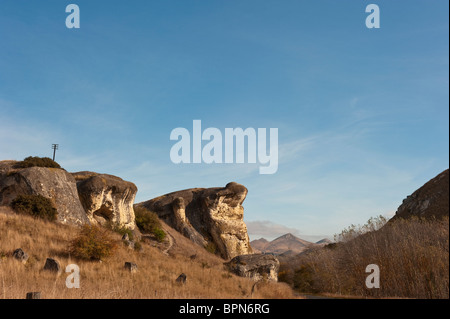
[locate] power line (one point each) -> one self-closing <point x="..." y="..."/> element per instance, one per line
<point x="54" y="147"/>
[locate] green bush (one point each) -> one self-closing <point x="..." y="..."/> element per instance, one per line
<point x="159" y="234"/>
<point x="35" y="205"/>
<point x="93" y="243"/>
<point x="148" y="222"/>
<point x="36" y="161"/>
<point x="122" y="231"/>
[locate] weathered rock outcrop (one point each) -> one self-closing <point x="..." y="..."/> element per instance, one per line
<point x="53" y="183"/>
<point x="107" y="198"/>
<point x="255" y="266"/>
<point x="207" y="215"/>
<point x="429" y="201"/>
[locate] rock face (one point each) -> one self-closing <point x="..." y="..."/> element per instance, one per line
<point x="256" y="266"/>
<point x="106" y="198"/>
<point x="53" y="183"/>
<point x="79" y="198"/>
<point x="429" y="201"/>
<point x="207" y="215"/>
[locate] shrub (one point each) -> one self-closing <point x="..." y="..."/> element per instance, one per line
<point x="36" y="161"/>
<point x="148" y="222"/>
<point x="137" y="246"/>
<point x="211" y="247"/>
<point x="92" y="243"/>
<point x="35" y="205"/>
<point x="159" y="234"/>
<point x="303" y="279"/>
<point x="122" y="231"/>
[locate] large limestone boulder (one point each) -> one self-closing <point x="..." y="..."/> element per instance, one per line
<point x="207" y="215"/>
<point x="107" y="198"/>
<point x="255" y="266"/>
<point x="429" y="201"/>
<point x="54" y="183"/>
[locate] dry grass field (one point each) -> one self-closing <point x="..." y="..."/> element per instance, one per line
<point x="412" y="255"/>
<point x="155" y="278"/>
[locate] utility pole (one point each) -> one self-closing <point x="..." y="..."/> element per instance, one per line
<point x="54" y="147"/>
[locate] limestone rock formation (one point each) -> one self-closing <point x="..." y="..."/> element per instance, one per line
<point x="53" y="183"/>
<point x="429" y="201"/>
<point x="207" y="215"/>
<point x="255" y="266"/>
<point x="107" y="198"/>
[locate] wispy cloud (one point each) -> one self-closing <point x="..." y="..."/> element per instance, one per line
<point x="268" y="229"/>
<point x="19" y="140"/>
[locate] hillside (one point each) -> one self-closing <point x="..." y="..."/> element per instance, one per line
<point x="411" y="251"/>
<point x="429" y="201"/>
<point x="159" y="265"/>
<point x="258" y="245"/>
<point x="324" y="241"/>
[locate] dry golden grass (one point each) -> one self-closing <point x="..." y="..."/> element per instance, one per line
<point x="412" y="255"/>
<point x="155" y="278"/>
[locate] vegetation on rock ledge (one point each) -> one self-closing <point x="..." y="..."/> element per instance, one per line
<point x="35" y="161"/>
<point x="35" y="205"/>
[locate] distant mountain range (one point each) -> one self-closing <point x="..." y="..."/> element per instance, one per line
<point x="287" y="244"/>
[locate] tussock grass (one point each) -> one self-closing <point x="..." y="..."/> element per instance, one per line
<point x="155" y="278"/>
<point x="412" y="255"/>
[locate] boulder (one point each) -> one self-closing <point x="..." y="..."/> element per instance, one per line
<point x="107" y="198"/>
<point x="181" y="279"/>
<point x="33" y="295"/>
<point x="255" y="266"/>
<point x="131" y="267"/>
<point x="20" y="255"/>
<point x="207" y="216"/>
<point x="52" y="265"/>
<point x="429" y="201"/>
<point x="54" y="183"/>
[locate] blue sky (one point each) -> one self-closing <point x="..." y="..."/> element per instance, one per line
<point x="362" y="113"/>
